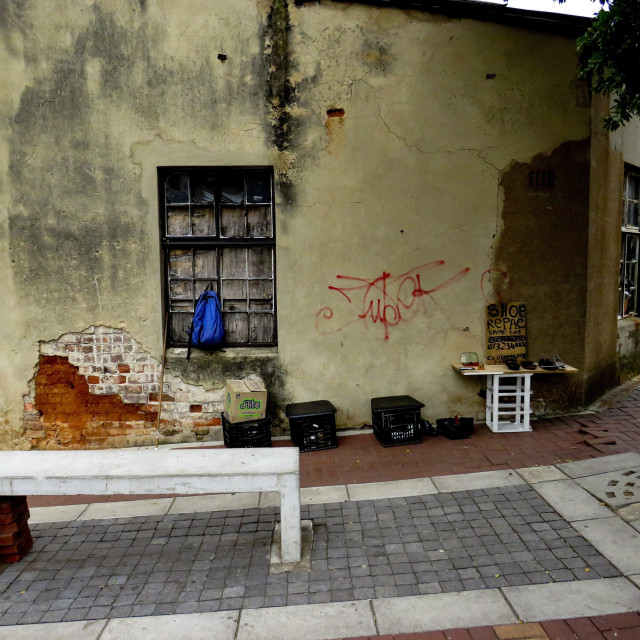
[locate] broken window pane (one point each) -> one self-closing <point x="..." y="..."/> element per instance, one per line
<point x="232" y="187"/>
<point x="177" y="189"/>
<point x="258" y="187"/>
<point x="202" y="188"/>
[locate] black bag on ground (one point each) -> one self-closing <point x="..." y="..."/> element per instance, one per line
<point x="428" y="429"/>
<point x="455" y="428"/>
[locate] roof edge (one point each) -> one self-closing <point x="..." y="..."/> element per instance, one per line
<point x="560" y="23"/>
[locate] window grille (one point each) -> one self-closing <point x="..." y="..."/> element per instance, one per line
<point x="218" y="225"/>
<point x="628" y="285"/>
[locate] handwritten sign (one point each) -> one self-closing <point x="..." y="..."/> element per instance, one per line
<point x="506" y="331"/>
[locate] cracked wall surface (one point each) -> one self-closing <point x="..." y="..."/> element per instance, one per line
<point x="391" y="133"/>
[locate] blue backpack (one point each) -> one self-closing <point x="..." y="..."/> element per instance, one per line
<point x="207" y="329"/>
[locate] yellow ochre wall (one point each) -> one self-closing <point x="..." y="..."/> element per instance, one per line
<point x="397" y="220"/>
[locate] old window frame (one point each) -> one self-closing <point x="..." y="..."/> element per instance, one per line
<point x="628" y="287"/>
<point x="204" y="237"/>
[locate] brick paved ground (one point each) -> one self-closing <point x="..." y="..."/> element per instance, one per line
<point x="189" y="563"/>
<point x="621" y="626"/>
<point x="111" y="567"/>
<point x="361" y="458"/>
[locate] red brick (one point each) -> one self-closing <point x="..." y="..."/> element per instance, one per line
<point x="617" y="621"/>
<point x="11" y="539"/>
<point x="11" y="504"/>
<point x="207" y="422"/>
<point x="124" y="368"/>
<point x="155" y="397"/>
<point x="18" y="524"/>
<point x="519" y="631"/>
<point x="8" y="518"/>
<point x="584" y="629"/>
<point x="558" y="630"/>
<point x="457" y="634"/>
<point x="22" y="543"/>
<point x="149" y="408"/>
<point x="195" y="408"/>
<point x="93" y="379"/>
<point x="483" y="633"/>
<point x="622" y="634"/>
<point x="424" y="635"/>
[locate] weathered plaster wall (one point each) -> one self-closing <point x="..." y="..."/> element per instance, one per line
<point x="390" y="207"/>
<point x="413" y="177"/>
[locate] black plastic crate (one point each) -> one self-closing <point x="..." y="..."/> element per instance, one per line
<point x="396" y="420"/>
<point x="254" y="433"/>
<point x="312" y="425"/>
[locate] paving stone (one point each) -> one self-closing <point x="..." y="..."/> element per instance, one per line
<point x="365" y="549"/>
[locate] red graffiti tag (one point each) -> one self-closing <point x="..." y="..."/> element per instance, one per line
<point x="387" y="300"/>
<point x="505" y="282"/>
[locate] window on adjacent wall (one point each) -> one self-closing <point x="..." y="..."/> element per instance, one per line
<point x="628" y="288"/>
<point x="218" y="226"/>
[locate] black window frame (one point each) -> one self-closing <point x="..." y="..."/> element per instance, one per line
<point x="216" y="243"/>
<point x="629" y="281"/>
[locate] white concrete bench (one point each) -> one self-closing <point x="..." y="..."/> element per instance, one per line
<point x="162" y="471"/>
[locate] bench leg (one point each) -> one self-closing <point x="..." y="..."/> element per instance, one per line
<point x="290" y="520"/>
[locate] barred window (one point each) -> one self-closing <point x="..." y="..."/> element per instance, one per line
<point x="218" y="226"/>
<point x="628" y="287"/>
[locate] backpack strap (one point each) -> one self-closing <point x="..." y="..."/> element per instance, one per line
<point x="189" y="347"/>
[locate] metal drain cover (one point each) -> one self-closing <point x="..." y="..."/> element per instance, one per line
<point x="617" y="489"/>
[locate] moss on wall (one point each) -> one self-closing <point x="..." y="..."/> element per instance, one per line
<point x="211" y="370"/>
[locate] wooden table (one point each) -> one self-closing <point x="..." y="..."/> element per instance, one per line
<point x="508" y="404"/>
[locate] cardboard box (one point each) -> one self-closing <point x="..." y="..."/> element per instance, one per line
<point x="245" y="400"/>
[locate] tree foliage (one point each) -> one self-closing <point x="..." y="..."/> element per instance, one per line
<point x="609" y="54"/>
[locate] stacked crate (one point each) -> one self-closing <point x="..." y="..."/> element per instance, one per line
<point x="244" y="424"/>
<point x="246" y="435"/>
<point x="15" y="537"/>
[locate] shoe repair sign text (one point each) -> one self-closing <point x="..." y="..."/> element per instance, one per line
<point x="506" y="331"/>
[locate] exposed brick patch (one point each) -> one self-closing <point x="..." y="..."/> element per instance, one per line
<point x="72" y="416"/>
<point x="101" y="388"/>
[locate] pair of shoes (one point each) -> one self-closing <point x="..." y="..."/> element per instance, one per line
<point x="528" y="365"/>
<point x="547" y="365"/>
<point x="511" y="363"/>
<point x="559" y="364"/>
